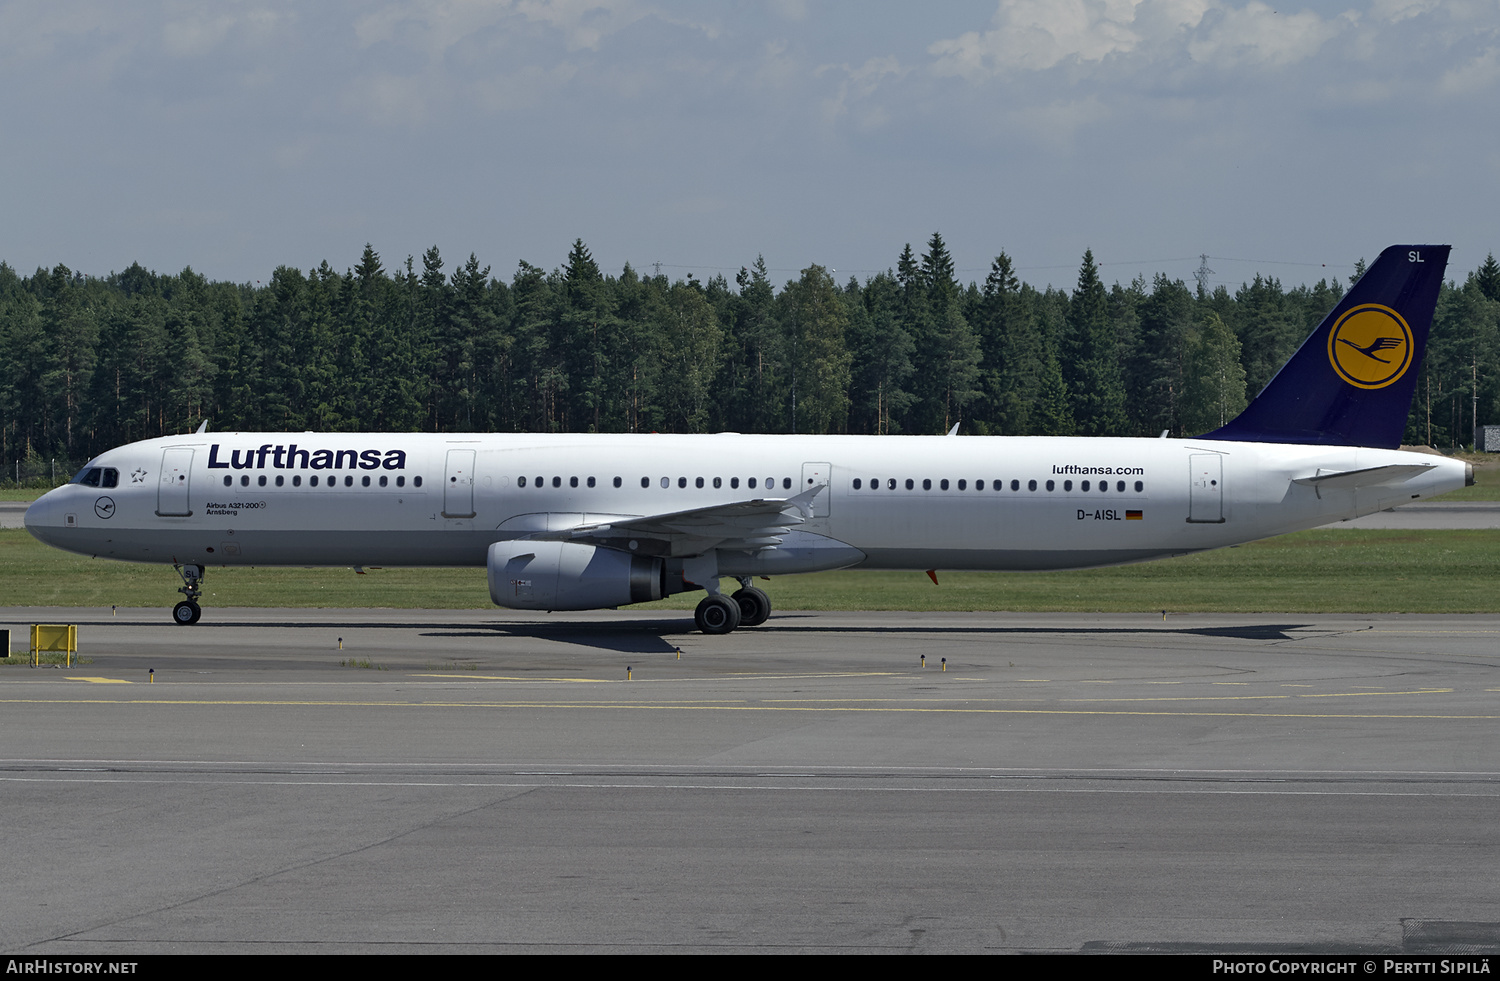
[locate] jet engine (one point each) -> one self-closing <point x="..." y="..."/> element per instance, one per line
<point x="529" y="575"/>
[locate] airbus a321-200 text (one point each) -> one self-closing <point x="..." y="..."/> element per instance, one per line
<point x="581" y="522"/>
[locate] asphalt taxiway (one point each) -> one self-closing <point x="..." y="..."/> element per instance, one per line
<point x="484" y="781"/>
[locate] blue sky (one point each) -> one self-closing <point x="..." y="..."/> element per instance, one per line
<point x="238" y="136"/>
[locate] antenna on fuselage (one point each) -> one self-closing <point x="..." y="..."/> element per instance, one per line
<point x="202" y="428"/>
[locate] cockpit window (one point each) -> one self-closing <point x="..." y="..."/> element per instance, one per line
<point x="98" y="477"/>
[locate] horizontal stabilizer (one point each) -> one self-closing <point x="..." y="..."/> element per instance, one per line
<point x="1369" y="477"/>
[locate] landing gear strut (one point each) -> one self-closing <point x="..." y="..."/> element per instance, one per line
<point x="188" y="611"/>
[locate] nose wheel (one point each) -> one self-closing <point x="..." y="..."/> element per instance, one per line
<point x="188" y="612"/>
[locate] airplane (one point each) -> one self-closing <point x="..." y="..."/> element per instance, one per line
<point x="580" y="522"/>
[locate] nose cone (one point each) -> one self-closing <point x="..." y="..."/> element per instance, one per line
<point x="46" y="518"/>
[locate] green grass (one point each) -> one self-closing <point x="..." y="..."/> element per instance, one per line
<point x="1311" y="572"/>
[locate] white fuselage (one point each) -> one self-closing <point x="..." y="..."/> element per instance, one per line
<point x="890" y="501"/>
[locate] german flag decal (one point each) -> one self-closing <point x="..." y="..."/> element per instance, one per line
<point x="1133" y="516"/>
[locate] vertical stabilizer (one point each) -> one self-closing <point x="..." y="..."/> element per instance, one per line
<point x="1351" y="382"/>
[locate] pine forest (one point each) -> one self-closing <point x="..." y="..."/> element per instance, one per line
<point x="93" y="362"/>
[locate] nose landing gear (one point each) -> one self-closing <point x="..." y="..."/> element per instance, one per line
<point x="188" y="612"/>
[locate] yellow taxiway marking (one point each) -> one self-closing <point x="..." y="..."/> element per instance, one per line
<point x="98" y="681"/>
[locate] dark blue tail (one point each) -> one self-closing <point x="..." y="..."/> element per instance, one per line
<point x="1351" y="382"/>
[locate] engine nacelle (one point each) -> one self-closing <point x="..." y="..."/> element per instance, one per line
<point x="569" y="576"/>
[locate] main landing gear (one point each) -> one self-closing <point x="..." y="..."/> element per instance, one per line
<point x="719" y="614"/>
<point x="188" y="612"/>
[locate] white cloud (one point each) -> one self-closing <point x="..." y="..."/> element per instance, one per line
<point x="434" y="26"/>
<point x="1258" y="35"/>
<point x="1476" y="75"/>
<point x="1399" y="10"/>
<point x="856" y="88"/>
<point x="201" y="31"/>
<point x="1033" y="35"/>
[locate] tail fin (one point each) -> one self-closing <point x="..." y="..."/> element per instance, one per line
<point x="1351" y="382"/>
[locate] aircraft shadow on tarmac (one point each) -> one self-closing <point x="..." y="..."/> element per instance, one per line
<point x="650" y="636"/>
<point x="654" y="636"/>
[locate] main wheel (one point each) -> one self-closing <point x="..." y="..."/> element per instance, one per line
<point x="755" y="606"/>
<point x="186" y="613"/>
<point x="717" y="615"/>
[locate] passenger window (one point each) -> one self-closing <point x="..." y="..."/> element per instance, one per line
<point x="681" y="481"/>
<point x="282" y="480"/>
<point x="1067" y="485"/>
<point x="401" y="481"/>
<point x="718" y="482"/>
<point x="1084" y="486"/>
<point x="572" y="481"/>
<point x="890" y="484"/>
<point x="245" y="480"/>
<point x="666" y="482"/>
<point x="1015" y="485"/>
<point x="734" y="483"/>
<point x="978" y="485"/>
<point x="617" y="481"/>
<point x="856" y="483"/>
<point x="962" y="484"/>
<point x="750" y="483"/>
<point x="1139" y="486"/>
<point x="1031" y="485"/>
<point x="364" y="481"/>
<point x="416" y="481"/>
<point x="383" y="479"/>
<point x="297" y="480"/>
<point x="699" y="482"/>
<point x="1120" y="486"/>
<point x="556" y="481"/>
<point x="926" y="484"/>
<point x="943" y="484"/>
<point x="786" y="483"/>
<point x="228" y="480"/>
<point x="591" y="481"/>
<point x="261" y="480"/>
<point x="1050" y="485"/>
<point x="349" y="480"/>
<point x="520" y="481"/>
<point x="645" y="481"/>
<point x="312" y="481"/>
<point x="910" y="483"/>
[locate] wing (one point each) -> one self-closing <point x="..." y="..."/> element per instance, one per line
<point x="743" y="525"/>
